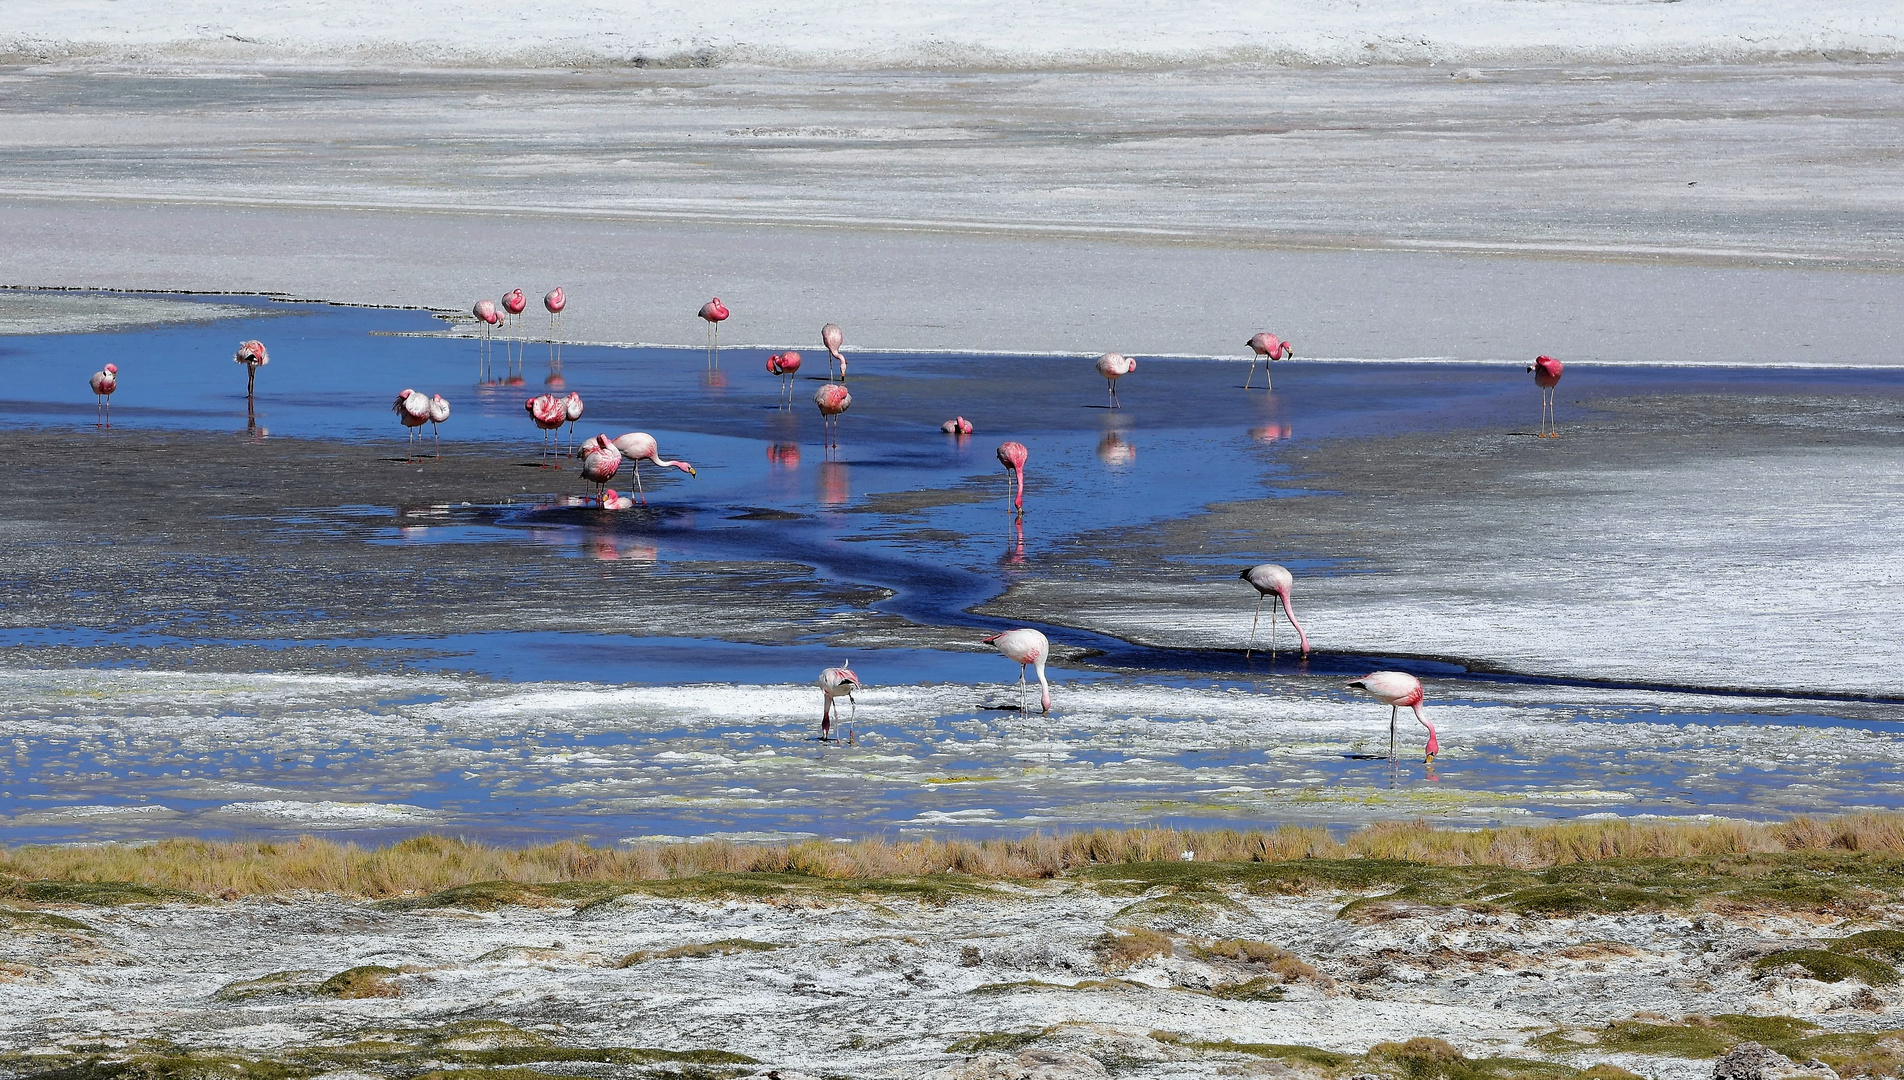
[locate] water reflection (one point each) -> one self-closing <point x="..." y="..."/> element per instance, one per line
<point x="1115" y="451"/>
<point x="835" y="483"/>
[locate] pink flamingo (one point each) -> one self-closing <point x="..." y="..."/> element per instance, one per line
<point x="958" y="425"/>
<point x="715" y="313"/>
<point x="1269" y="348"/>
<point x="572" y="409"/>
<point x="614" y="500"/>
<point x="1269" y="580"/>
<point x="831" y="337"/>
<point x="515" y="303"/>
<point x="1395" y="689"/>
<point x="1547" y="371"/>
<point x="837" y="682"/>
<point x="600" y="464"/>
<point x="439" y="412"/>
<point x="549" y="414"/>
<point x="413" y="409"/>
<point x="555" y="301"/>
<point x="1114" y="366"/>
<point x="785" y="365"/>
<point x="1012" y="455"/>
<point x="833" y="399"/>
<point x="485" y="312"/>
<point x="252" y="355"/>
<point x="639" y="446"/>
<point x="1026" y="647"/>
<point x="104" y="382"/>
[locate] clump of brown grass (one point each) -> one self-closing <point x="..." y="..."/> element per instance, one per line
<point x="428" y="864"/>
<point x="1119" y="952"/>
<point x="1284" y="964"/>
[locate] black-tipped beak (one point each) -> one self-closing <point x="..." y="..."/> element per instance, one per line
<point x="1356" y="685"/>
<point x="1244" y="576"/>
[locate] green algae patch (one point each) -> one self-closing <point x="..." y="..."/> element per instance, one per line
<point x="31" y="921"/>
<point x="1115" y="985"/>
<point x="1294" y="1054"/>
<point x="173" y="1066"/>
<point x="768" y="887"/>
<point x="95" y="893"/>
<point x="276" y="984"/>
<point x="1830" y="967"/>
<point x="1564" y="900"/>
<point x="1434" y="1059"/>
<point x="723" y="947"/>
<point x="1261" y="988"/>
<point x="1873" y="944"/>
<point x="1003" y="1042"/>
<point x="367" y="981"/>
<point x="1694" y="1037"/>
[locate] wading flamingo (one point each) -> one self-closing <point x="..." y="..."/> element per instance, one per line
<point x="1547" y="371"/>
<point x="958" y="425"/>
<point x="104" y="382"/>
<point x="833" y="400"/>
<point x="485" y="312"/>
<point x="439" y="412"/>
<point x="1271" y="579"/>
<point x="785" y="365"/>
<point x="413" y="409"/>
<point x="549" y="415"/>
<point x="1114" y="366"/>
<point x="837" y="682"/>
<point x="600" y="464"/>
<point x="252" y="355"/>
<point x="555" y="301"/>
<point x="831" y="337"/>
<point x="1395" y="689"/>
<point x="715" y="313"/>
<point x="514" y="303"/>
<point x="1269" y="348"/>
<point x="1012" y="455"/>
<point x="639" y="446"/>
<point x="1026" y="647"/>
<point x="572" y="410"/>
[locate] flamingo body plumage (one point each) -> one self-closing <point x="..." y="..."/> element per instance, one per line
<point x="1397" y="689"/>
<point x="252" y="355"/>
<point x="832" y="337"/>
<point x="1268" y="347"/>
<point x="639" y="446"/>
<point x="1547" y="372"/>
<point x="837" y="682"/>
<point x="104" y="382"/>
<point x="1114" y="366"/>
<point x="832" y="400"/>
<point x="1013" y="455"/>
<point x="958" y="425"/>
<point x="1026" y="647"/>
<point x="1272" y="579"/>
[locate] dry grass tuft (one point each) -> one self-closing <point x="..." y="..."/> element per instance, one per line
<point x="1119" y="952"/>
<point x="429" y="864"/>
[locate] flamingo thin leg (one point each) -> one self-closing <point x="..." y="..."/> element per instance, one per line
<point x="1253" y="625"/>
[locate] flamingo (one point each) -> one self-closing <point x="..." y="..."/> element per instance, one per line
<point x="614" y="500"/>
<point x="413" y="409"/>
<point x="1271" y="579"/>
<point x="549" y="414"/>
<point x="252" y="355"/>
<point x="715" y="313"/>
<point x="485" y="311"/>
<point x="1114" y="366"/>
<point x="639" y="446"/>
<point x="1547" y="371"/>
<point x="831" y="337"/>
<point x="1269" y="348"/>
<point x="1012" y="455"/>
<point x="1395" y="689"/>
<point x="835" y="682"/>
<point x="600" y="464"/>
<point x="439" y="412"/>
<point x="958" y="425"/>
<point x="555" y="301"/>
<point x="833" y="399"/>
<point x="785" y="364"/>
<point x="572" y="409"/>
<point x="514" y="303"/>
<point x="104" y="382"/>
<point x="1026" y="647"/>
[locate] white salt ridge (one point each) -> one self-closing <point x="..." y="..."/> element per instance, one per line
<point x="330" y="814"/>
<point x="950" y="34"/>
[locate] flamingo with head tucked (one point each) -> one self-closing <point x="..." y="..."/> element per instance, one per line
<point x="1012" y="455"/>
<point x="639" y="446"/>
<point x="439" y="412"/>
<point x="252" y="355"/>
<point x="1270" y="579"/>
<point x="1267" y="346"/>
<point x="837" y="682"/>
<point x="600" y="464"/>
<point x="514" y="303"/>
<point x="1547" y="372"/>
<point x="1396" y="689"/>
<point x="832" y="399"/>
<point x="104" y="382"/>
<point x="1026" y="647"/>
<point x="785" y="365"/>
<point x="413" y="410"/>
<point x="572" y="410"/>
<point x="555" y="301"/>
<point x="715" y="313"/>
<point x="549" y="413"/>
<point x="831" y="337"/>
<point x="486" y="313"/>
<point x="1114" y="366"/>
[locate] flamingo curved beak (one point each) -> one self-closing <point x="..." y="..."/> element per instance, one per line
<point x="994" y="637"/>
<point x="1244" y="576"/>
<point x="1356" y="685"/>
<point x="691" y="471"/>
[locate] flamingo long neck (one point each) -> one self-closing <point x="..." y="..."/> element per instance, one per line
<point x="1282" y="595"/>
<point x="1018" y="502"/>
<point x="1434" y="742"/>
<point x="1044" y="688"/>
<point x="664" y="463"/>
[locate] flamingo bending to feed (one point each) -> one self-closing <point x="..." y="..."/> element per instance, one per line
<point x="439" y="412"/>
<point x="837" y="682"/>
<point x="600" y="464"/>
<point x="1395" y="689"/>
<point x="715" y="313"/>
<point x="831" y="337"/>
<point x="252" y="355"/>
<point x="1012" y="455"/>
<point x="958" y="425"/>
<point x="1026" y="647"/>
<point x="833" y="399"/>
<point x="1271" y="579"/>
<point x="549" y="414"/>
<point x="1547" y="372"/>
<point x="785" y="364"/>
<point x="639" y="446"/>
<point x="104" y="382"/>
<point x="1269" y="348"/>
<point x="413" y="409"/>
<point x="1114" y="366"/>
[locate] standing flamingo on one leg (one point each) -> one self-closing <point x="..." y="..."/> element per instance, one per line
<point x="1269" y="348"/>
<point x="831" y="338"/>
<point x="104" y="382"/>
<point x="439" y="412"/>
<point x="1114" y="366"/>
<point x="555" y="301"/>
<point x="572" y="409"/>
<point x="1012" y="455"/>
<point x="549" y="414"/>
<point x="1026" y="647"/>
<point x="252" y="355"/>
<point x="1272" y="580"/>
<point x="837" y="682"/>
<point x="639" y="446"/>
<point x="413" y="409"/>
<point x="514" y="303"/>
<point x="600" y="464"/>
<point x="785" y="365"/>
<point x="715" y="313"/>
<point x="833" y="399"/>
<point x="1396" y="689"/>
<point x="1547" y="372"/>
<point x="485" y="312"/>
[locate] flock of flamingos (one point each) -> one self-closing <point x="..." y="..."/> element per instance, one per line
<point x="602" y="459"/>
